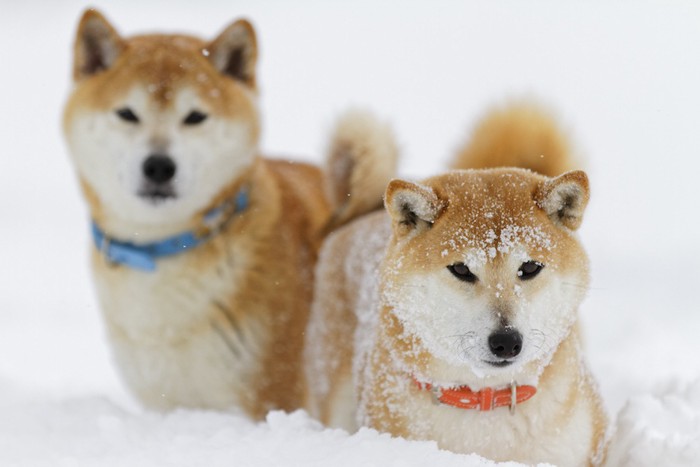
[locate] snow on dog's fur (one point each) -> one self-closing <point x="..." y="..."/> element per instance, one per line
<point x="472" y="280"/>
<point x="163" y="132"/>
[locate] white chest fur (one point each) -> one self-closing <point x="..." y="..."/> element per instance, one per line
<point x="541" y="429"/>
<point x="174" y="332"/>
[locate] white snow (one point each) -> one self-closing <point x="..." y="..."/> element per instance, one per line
<point x="659" y="429"/>
<point x="624" y="77"/>
<point x="94" y="431"/>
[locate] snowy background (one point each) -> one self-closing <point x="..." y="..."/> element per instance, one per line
<point x="624" y="77"/>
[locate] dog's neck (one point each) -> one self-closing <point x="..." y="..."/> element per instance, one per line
<point x="143" y="256"/>
<point x="554" y="377"/>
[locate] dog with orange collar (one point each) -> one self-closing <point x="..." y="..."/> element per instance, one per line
<point x="454" y="317"/>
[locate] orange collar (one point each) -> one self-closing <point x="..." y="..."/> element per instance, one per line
<point x="487" y="399"/>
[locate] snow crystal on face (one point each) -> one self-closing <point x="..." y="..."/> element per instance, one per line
<point x="491" y="252"/>
<point x="513" y="235"/>
<point x="480" y="250"/>
<point x="476" y="258"/>
<point x="452" y="324"/>
<point x="517" y="289"/>
<point x="433" y="311"/>
<point x="499" y="289"/>
<point x="491" y="236"/>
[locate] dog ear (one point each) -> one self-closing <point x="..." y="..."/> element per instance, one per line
<point x="235" y="52"/>
<point x="97" y="45"/>
<point x="412" y="207"/>
<point x="564" y="198"/>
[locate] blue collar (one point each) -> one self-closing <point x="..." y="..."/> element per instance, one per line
<point x="143" y="256"/>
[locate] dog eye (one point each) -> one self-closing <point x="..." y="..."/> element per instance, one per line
<point x="194" y="118"/>
<point x="529" y="269"/>
<point x="127" y="115"/>
<point x="462" y="272"/>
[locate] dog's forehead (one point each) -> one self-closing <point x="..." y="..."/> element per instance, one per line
<point x="493" y="211"/>
<point x="164" y="63"/>
<point x="162" y="66"/>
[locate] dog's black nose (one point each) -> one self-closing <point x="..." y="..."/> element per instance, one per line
<point x="158" y="168"/>
<point x="506" y="343"/>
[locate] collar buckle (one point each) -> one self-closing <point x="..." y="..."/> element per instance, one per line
<point x="513" y="397"/>
<point x="436" y="393"/>
<point x="104" y="251"/>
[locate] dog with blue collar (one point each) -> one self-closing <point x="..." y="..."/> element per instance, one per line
<point x="204" y="251"/>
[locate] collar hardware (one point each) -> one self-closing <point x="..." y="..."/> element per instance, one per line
<point x="484" y="400"/>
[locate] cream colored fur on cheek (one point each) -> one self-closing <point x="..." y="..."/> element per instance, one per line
<point x="167" y="337"/>
<point x="441" y="317"/>
<point x="453" y="323"/>
<point x="546" y="318"/>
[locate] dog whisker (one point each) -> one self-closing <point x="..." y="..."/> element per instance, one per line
<point x="539" y="339"/>
<point x="582" y="286"/>
<point x="462" y="343"/>
<point x="546" y="344"/>
<point x="461" y="335"/>
<point x="573" y="284"/>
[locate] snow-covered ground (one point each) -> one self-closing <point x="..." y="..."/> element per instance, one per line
<point x="625" y="78"/>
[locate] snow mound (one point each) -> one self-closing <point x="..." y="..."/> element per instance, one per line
<point x="661" y="429"/>
<point x="92" y="431"/>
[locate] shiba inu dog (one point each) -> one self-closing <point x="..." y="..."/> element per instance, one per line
<point x="204" y="250"/>
<point x="453" y="315"/>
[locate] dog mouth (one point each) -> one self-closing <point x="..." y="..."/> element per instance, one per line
<point x="157" y="194"/>
<point x="499" y="363"/>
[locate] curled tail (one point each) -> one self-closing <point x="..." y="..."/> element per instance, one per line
<point x="522" y="135"/>
<point x="361" y="159"/>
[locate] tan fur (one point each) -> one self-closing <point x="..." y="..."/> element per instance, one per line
<point x="383" y="293"/>
<point x="521" y="134"/>
<point x="222" y="324"/>
<point x="362" y="158"/>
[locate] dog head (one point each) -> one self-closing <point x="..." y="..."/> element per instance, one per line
<point x="484" y="273"/>
<point x="157" y="125"/>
